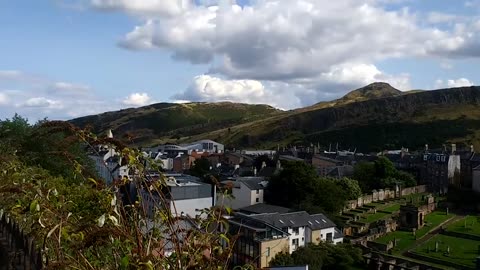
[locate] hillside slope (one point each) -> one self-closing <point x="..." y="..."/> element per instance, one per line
<point x="172" y="121"/>
<point x="374" y="117"/>
<point x="409" y="120"/>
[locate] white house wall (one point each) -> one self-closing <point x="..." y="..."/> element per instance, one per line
<point x="300" y="237"/>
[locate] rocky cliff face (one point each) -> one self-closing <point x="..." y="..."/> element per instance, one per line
<point x="408" y="120"/>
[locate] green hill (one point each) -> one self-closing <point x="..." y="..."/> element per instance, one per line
<point x="170" y="121"/>
<point x="374" y="117"/>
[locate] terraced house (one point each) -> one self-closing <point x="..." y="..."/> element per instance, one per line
<point x="262" y="236"/>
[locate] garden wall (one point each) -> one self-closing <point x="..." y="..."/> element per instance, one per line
<point x="383" y="195"/>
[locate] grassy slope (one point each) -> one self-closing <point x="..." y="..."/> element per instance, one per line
<point x="165" y="120"/>
<point x="376" y="125"/>
<point x="393" y="121"/>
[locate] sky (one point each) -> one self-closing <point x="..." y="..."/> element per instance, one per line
<point x="63" y="59"/>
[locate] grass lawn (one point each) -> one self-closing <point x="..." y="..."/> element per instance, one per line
<point x="472" y="222"/>
<point x="392" y="208"/>
<point x="406" y="239"/>
<point x="462" y="251"/>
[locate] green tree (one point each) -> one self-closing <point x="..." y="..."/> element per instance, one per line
<point x="292" y="185"/>
<point x="364" y="173"/>
<point x="200" y="168"/>
<point x="351" y="187"/>
<point x="282" y="259"/>
<point x="323" y="256"/>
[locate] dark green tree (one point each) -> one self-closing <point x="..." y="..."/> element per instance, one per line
<point x="200" y="168"/>
<point x="282" y="259"/>
<point x="351" y="187"/>
<point x="292" y="185"/>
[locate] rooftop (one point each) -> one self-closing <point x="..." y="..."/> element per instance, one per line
<point x="262" y="208"/>
<point x="296" y="219"/>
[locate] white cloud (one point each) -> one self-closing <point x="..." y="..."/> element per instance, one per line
<point x="440" y="17"/>
<point x="137" y="99"/>
<point x="41" y="102"/>
<point x="290" y="94"/>
<point x="62" y="87"/>
<point x="10" y="74"/>
<point x="461" y="82"/>
<point x="148" y="7"/>
<point x="4" y="99"/>
<point x="274" y="40"/>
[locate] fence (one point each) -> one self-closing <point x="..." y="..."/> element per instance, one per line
<point x="20" y="249"/>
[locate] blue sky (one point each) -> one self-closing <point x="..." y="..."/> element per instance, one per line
<point x="67" y="58"/>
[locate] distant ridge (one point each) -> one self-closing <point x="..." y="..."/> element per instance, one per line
<point x="373" y="117"/>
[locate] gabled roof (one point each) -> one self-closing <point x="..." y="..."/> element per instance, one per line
<point x="253" y="183"/>
<point x="263" y="208"/>
<point x="341" y="171"/>
<point x="296" y="219"/>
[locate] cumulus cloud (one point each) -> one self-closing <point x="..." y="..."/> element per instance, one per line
<point x="41" y="102"/>
<point x="461" y="82"/>
<point x="290" y="94"/>
<point x="144" y="7"/>
<point x="274" y="40"/>
<point x="137" y="99"/>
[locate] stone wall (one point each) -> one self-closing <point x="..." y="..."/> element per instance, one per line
<point x="383" y="195"/>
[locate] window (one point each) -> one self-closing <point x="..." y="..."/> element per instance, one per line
<point x="258" y="191"/>
<point x="295" y="242"/>
<point x="268" y="252"/>
<point x="257" y="200"/>
<point x="295" y="230"/>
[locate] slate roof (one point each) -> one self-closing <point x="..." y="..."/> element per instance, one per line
<point x="263" y="208"/>
<point x="341" y="171"/>
<point x="289" y="158"/>
<point x="253" y="183"/>
<point x="296" y="219"/>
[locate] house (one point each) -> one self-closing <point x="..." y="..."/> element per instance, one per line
<point x="184" y="195"/>
<point x="205" y="146"/>
<point x="108" y="165"/>
<point x="341" y="171"/>
<point x="263" y="208"/>
<point x="257" y="242"/>
<point x="325" y="164"/>
<point x="262" y="236"/>
<point x="439" y="170"/>
<point x="245" y="191"/>
<point x="303" y="228"/>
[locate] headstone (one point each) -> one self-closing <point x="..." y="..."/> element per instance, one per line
<point x="436" y="246"/>
<point x="447" y="211"/>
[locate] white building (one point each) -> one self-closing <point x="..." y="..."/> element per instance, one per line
<point x="246" y="191"/>
<point x="303" y="228"/>
<point x="185" y="196"/>
<point x="205" y="146"/>
<point x="107" y="164"/>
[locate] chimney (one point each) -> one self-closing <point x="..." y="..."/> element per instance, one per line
<point x="454" y="148"/>
<point x="255" y="172"/>
<point x="472" y="149"/>
<point x="426" y="147"/>
<point x="264" y="164"/>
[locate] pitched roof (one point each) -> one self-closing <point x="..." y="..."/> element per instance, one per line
<point x="253" y="183"/>
<point x="296" y="219"/>
<point x="263" y="208"/>
<point x="341" y="171"/>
